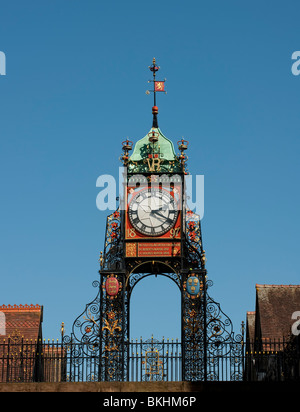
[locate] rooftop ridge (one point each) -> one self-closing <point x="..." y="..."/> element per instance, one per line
<point x="21" y="307"/>
<point x="276" y="286"/>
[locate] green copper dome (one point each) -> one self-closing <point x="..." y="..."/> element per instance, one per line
<point x="154" y="153"/>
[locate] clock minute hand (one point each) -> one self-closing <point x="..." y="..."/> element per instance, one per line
<point x="158" y="218"/>
<point x="156" y="211"/>
<point x="162" y="216"/>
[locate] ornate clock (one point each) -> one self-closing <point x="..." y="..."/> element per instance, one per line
<point x="153" y="222"/>
<point x="152" y="212"/>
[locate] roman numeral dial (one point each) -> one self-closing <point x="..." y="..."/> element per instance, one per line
<point x="152" y="212"/>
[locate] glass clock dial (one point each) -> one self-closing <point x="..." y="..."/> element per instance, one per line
<point x="152" y="212"/>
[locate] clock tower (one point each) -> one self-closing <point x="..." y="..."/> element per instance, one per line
<point x="154" y="198"/>
<point x="153" y="232"/>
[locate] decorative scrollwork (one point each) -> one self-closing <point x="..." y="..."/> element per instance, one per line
<point x="85" y="329"/>
<point x="113" y="249"/>
<point x="154" y="361"/>
<point x="111" y="323"/>
<point x="194" y="252"/>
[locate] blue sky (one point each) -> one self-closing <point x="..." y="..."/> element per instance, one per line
<point x="74" y="89"/>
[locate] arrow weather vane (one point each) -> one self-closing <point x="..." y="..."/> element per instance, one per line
<point x="159" y="86"/>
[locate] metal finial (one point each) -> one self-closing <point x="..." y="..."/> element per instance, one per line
<point x="62" y="329"/>
<point x="159" y="86"/>
<point x="126" y="146"/>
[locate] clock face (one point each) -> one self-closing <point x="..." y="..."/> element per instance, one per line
<point x="152" y="212"/>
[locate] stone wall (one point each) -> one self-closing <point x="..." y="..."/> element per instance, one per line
<point x="153" y="387"/>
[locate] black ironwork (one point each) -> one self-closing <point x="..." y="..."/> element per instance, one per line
<point x="113" y="246"/>
<point x="154" y="360"/>
<point x="150" y="360"/>
<point x="103" y="327"/>
<point x="273" y="359"/>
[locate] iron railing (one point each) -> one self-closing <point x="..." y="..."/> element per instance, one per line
<point x="151" y="360"/>
<point x="273" y="359"/>
<point x="154" y="360"/>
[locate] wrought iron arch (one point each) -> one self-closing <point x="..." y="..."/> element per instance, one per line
<point x="131" y="308"/>
<point x="135" y="276"/>
<point x="102" y="330"/>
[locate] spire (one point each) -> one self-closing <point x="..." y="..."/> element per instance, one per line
<point x="159" y="86"/>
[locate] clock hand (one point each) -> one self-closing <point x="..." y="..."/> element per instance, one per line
<point x="143" y="208"/>
<point x="162" y="216"/>
<point x="157" y="211"/>
<point x="157" y="217"/>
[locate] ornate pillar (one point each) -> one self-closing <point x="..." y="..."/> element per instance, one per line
<point x="193" y="325"/>
<point x="113" y="327"/>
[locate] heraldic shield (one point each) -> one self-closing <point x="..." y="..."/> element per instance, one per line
<point x="193" y="285"/>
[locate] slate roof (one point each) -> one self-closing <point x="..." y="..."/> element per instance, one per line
<point x="275" y="305"/>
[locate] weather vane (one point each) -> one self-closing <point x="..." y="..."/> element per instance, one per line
<point x="159" y="86"/>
